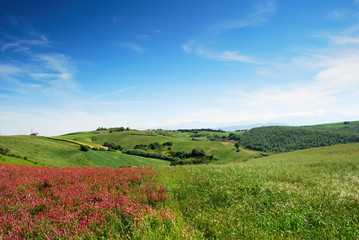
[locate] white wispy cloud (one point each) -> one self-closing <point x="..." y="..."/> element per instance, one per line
<point x="8" y="70"/>
<point x="224" y="56"/>
<point x="338" y="14"/>
<point x="125" y="102"/>
<point x="132" y="46"/>
<point x="259" y="16"/>
<point x="345" y="40"/>
<point x="109" y="99"/>
<point x="143" y="36"/>
<point x="48" y="73"/>
<point x="334" y="88"/>
<point x="112" y="93"/>
<point x="11" y="79"/>
<point x="234" y="56"/>
<point x="16" y="44"/>
<point x="57" y="71"/>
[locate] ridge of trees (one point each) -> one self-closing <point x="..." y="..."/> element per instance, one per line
<point x="163" y="151"/>
<point x="279" y="139"/>
<point x="113" y="129"/>
<point x="201" y="130"/>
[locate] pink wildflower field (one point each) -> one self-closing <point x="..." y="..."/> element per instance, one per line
<point x="83" y="202"/>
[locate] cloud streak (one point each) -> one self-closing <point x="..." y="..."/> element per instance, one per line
<point x="50" y="73"/>
<point x="345" y="40"/>
<point x="57" y="72"/>
<point x="259" y="16"/>
<point x="223" y="56"/>
<point x="98" y="99"/>
<point x="15" y="44"/>
<point x="131" y="46"/>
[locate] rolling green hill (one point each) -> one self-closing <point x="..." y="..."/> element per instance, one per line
<point x="49" y="152"/>
<point x="348" y="126"/>
<point x="212" y="143"/>
<point x="216" y="145"/>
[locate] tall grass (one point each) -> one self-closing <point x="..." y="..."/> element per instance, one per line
<point x="307" y="198"/>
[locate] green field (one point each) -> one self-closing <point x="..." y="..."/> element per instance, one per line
<point x="115" y="159"/>
<point x="53" y="153"/>
<point x="17" y="161"/>
<point x="308" y="194"/>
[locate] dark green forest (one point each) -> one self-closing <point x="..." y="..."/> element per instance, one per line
<point x="279" y="139"/>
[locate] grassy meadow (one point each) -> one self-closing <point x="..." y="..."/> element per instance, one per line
<point x="299" y="195"/>
<point x="115" y="159"/>
<point x="245" y="194"/>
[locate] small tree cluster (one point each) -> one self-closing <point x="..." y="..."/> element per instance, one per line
<point x="4" y="151"/>
<point x="113" y="146"/>
<point x="144" y="153"/>
<point x="84" y="148"/>
<point x="154" y="146"/>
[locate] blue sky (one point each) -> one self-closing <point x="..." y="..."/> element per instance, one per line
<point x="77" y="65"/>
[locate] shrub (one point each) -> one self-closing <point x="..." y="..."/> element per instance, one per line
<point x="84" y="148"/>
<point x="4" y="151"/>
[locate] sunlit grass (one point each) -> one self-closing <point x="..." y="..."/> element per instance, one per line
<point x="291" y="197"/>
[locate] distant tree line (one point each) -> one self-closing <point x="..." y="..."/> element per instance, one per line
<point x="163" y="151"/>
<point x="215" y="137"/>
<point x="285" y="139"/>
<point x="144" y="153"/>
<point x="200" y="130"/>
<point x="155" y="146"/>
<point x="114" y="129"/>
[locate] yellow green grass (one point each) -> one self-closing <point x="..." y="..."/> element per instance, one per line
<point x="117" y="159"/>
<point x="309" y="194"/>
<point x="16" y="161"/>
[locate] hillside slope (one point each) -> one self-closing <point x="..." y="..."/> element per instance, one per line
<point x="347" y="126"/>
<point x="49" y="152"/>
<point x="212" y="143"/>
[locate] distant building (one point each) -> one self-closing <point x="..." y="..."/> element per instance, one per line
<point x="35" y="134"/>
